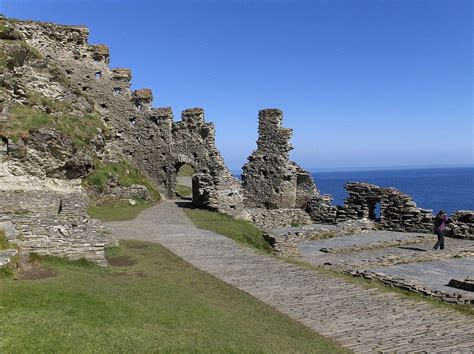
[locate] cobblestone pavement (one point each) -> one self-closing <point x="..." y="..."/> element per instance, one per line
<point x="435" y="275"/>
<point x="361" y="319"/>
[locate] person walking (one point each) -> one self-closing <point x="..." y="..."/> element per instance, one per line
<point x="440" y="229"/>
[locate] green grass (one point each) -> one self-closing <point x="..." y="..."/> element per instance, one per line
<point x="238" y="230"/>
<point x="4" y="244"/>
<point x="159" y="304"/>
<point x="117" y="209"/>
<point x="183" y="191"/>
<point x="126" y="174"/>
<point x="23" y="119"/>
<point x="186" y="170"/>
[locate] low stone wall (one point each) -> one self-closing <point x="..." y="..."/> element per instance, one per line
<point x="222" y="193"/>
<point x="52" y="223"/>
<point x="278" y="218"/>
<point x="462" y="225"/>
<point x="285" y="242"/>
<point x="417" y="287"/>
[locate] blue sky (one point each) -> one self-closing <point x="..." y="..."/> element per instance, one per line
<point x="363" y="83"/>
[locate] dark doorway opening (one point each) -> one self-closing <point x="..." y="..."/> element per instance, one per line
<point x="374" y="210"/>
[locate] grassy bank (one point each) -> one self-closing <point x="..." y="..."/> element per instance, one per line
<point x="238" y="230"/>
<point x="148" y="301"/>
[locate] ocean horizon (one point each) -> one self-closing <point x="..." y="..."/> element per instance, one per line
<point x="447" y="188"/>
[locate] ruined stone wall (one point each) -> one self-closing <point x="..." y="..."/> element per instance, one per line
<point x="147" y="136"/>
<point x="462" y="225"/>
<point x="398" y="211"/>
<point x="48" y="222"/>
<point x="269" y="178"/>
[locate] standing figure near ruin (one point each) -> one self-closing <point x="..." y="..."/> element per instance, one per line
<point x="440" y="229"/>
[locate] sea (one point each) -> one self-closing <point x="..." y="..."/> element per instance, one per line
<point x="448" y="189"/>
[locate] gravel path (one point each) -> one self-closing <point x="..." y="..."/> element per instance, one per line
<point x="363" y="320"/>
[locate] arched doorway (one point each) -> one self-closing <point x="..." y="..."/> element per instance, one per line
<point x="184" y="181"/>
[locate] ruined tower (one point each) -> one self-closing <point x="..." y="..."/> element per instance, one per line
<point x="269" y="178"/>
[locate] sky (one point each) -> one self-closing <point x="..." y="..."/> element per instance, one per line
<point x="362" y="83"/>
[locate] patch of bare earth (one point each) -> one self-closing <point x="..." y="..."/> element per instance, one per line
<point x="121" y="261"/>
<point x="35" y="272"/>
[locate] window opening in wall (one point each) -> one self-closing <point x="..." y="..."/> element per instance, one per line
<point x="117" y="91"/>
<point x="374" y="210"/>
<point x="133" y="121"/>
<point x="98" y="75"/>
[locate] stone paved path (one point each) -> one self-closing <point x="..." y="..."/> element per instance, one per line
<point x="363" y="320"/>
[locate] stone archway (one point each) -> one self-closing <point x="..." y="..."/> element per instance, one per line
<point x="183" y="187"/>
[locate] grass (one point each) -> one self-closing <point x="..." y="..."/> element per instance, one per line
<point x="4" y="244"/>
<point x="117" y="209"/>
<point x="238" y="230"/>
<point x="23" y="119"/>
<point x="125" y="173"/>
<point x="186" y="170"/>
<point x="183" y="191"/>
<point x="158" y="304"/>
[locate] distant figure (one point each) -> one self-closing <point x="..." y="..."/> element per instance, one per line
<point x="440" y="229"/>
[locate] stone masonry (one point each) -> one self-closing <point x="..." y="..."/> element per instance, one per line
<point x="49" y="222"/>
<point x="147" y="136"/>
<point x="269" y="178"/>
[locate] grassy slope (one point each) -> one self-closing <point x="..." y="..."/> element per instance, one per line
<point x="159" y="304"/>
<point x="238" y="230"/>
<point x="126" y="174"/>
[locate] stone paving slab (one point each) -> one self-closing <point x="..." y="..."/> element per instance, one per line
<point x="363" y="320"/>
<point x="384" y="256"/>
<point x="365" y="240"/>
<point x="436" y="275"/>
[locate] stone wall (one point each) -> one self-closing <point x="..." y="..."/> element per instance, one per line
<point x="48" y="222"/>
<point x="269" y="178"/>
<point x="462" y="225"/>
<point x="278" y="218"/>
<point x="398" y="211"/>
<point x="147" y="136"/>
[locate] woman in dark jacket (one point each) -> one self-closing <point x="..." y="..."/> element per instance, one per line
<point x="440" y="229"/>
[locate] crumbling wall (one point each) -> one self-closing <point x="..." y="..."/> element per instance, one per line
<point x="147" y="136"/>
<point x="269" y="178"/>
<point x="49" y="222"/>
<point x="398" y="211"/>
<point x="462" y="225"/>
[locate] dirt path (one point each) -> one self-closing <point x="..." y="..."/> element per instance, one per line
<point x="363" y="320"/>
